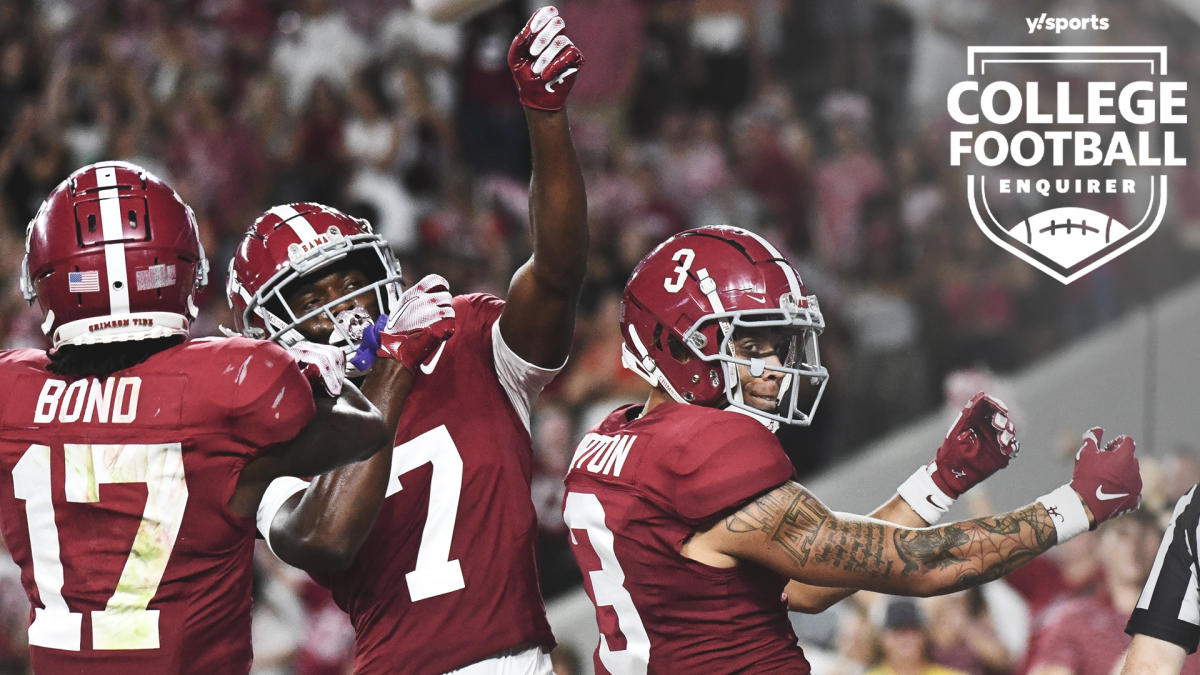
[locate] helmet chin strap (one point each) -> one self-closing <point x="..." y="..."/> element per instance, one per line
<point x="771" y="425"/>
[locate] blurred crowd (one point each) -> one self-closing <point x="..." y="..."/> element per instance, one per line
<point x="820" y="124"/>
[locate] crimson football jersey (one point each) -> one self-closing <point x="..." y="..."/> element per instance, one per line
<point x="637" y="489"/>
<point x="447" y="576"/>
<point x="114" y="500"/>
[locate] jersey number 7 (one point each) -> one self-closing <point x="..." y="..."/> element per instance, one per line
<point x="124" y="623"/>
<point x="435" y="573"/>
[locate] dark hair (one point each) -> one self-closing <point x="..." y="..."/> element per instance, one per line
<point x="76" y="361"/>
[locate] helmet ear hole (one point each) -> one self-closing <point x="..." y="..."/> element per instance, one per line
<point x="679" y="352"/>
<point x="676" y="348"/>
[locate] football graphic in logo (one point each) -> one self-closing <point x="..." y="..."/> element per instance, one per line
<point x="1069" y="234"/>
<point x="1066" y="242"/>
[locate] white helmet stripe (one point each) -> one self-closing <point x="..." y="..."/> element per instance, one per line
<point x="297" y="222"/>
<point x="788" y="272"/>
<point x="114" y="252"/>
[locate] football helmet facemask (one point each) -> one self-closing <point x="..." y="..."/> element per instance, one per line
<point x="682" y="309"/>
<point x="112" y="255"/>
<point x="293" y="241"/>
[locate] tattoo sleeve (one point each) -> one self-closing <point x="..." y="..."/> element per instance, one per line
<point x="885" y="557"/>
<point x="979" y="550"/>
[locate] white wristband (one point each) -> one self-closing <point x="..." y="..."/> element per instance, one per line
<point x="1066" y="510"/>
<point x="924" y="496"/>
<point x="277" y="493"/>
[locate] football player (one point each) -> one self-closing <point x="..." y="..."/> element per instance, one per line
<point x="683" y="513"/>
<point x="1165" y="624"/>
<point x="431" y="547"/>
<point x="132" y="458"/>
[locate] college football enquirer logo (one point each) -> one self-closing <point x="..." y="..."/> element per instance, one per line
<point x="1065" y="173"/>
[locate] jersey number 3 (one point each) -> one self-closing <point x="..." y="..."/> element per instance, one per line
<point x="124" y="623"/>
<point x="583" y="511"/>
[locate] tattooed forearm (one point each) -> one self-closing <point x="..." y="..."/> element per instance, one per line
<point x="855" y="547"/>
<point x="799" y="536"/>
<point x="802" y="527"/>
<point x="977" y="550"/>
<point x="926" y="548"/>
<point x="791" y="515"/>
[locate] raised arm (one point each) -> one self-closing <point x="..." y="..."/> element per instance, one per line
<point x="539" y="316"/>
<point x="792" y="532"/>
<point x="980" y="442"/>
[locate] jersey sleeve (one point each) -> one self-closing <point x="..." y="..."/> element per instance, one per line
<point x="522" y="381"/>
<point x="724" y="464"/>
<point x="270" y="400"/>
<point x="1169" y="607"/>
<point x="474" y="314"/>
<point x="276" y="495"/>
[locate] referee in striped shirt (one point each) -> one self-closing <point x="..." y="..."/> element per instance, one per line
<point x="1165" y="625"/>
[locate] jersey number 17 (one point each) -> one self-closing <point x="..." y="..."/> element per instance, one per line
<point x="125" y="622"/>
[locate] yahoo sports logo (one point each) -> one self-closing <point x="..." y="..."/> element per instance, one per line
<point x="1067" y="174"/>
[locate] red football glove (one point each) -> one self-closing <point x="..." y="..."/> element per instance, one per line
<point x="544" y="62"/>
<point x="323" y="365"/>
<point x="978" y="444"/>
<point x="423" y="321"/>
<point x="1107" y="479"/>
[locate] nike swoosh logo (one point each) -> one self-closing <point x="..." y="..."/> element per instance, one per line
<point x="559" y="80"/>
<point x="428" y="366"/>
<point x="757" y="299"/>
<point x="1107" y="496"/>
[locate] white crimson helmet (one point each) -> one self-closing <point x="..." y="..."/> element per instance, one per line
<point x="694" y="290"/>
<point x="113" y="255"/>
<point x="291" y="241"/>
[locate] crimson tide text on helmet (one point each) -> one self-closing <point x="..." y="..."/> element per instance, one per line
<point x="113" y="254"/>
<point x="694" y="290"/>
<point x="291" y="241"/>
